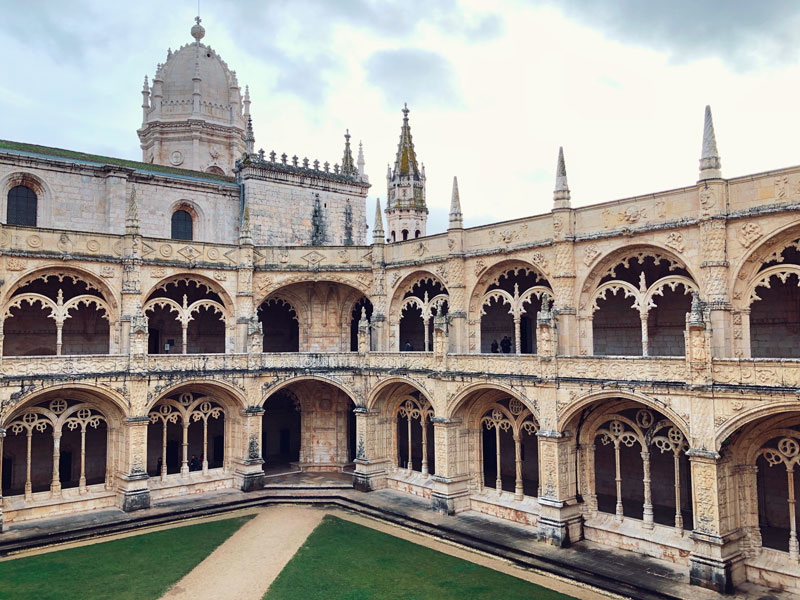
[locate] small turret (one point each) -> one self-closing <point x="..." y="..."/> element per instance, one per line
<point x="561" y="195"/>
<point x="710" y="162"/>
<point x="456" y="218"/>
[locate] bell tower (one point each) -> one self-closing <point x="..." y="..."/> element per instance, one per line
<point x="406" y="211"/>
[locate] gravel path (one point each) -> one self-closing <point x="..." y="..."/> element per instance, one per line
<point x="244" y="566"/>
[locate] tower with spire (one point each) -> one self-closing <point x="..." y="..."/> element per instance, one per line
<point x="406" y="211"/>
<point x="194" y="116"/>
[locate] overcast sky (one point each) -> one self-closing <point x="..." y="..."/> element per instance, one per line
<point x="494" y="88"/>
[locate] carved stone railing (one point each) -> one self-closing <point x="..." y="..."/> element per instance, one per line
<point x="36" y="366"/>
<point x="758" y="372"/>
<point x="765" y="373"/>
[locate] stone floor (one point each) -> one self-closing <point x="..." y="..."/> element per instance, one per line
<point x="624" y="572"/>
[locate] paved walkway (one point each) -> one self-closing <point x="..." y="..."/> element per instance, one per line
<point x="245" y="565"/>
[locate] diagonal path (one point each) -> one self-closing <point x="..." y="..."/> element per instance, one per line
<point x="245" y="565"/>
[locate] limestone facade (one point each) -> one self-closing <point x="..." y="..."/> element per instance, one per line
<point x="626" y="372"/>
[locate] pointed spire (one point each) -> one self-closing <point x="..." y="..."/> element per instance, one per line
<point x="145" y="99"/>
<point x="249" y="138"/>
<point x="377" y="230"/>
<point x="132" y="214"/>
<point x="361" y="162"/>
<point x="247" y="101"/>
<point x="456" y="218"/>
<point x="561" y="195"/>
<point x="405" y="164"/>
<point x="710" y="163"/>
<point x="348" y="164"/>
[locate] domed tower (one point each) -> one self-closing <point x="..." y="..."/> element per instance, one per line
<point x="194" y="116"/>
<point x="406" y="212"/>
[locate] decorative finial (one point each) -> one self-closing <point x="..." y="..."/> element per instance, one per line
<point x="456" y="218"/>
<point x="377" y="230"/>
<point x="710" y="162"/>
<point x="405" y="111"/>
<point x="696" y="311"/>
<point x="561" y="195"/>
<point x="361" y="163"/>
<point x="132" y="214"/>
<point x="249" y="138"/>
<point x="198" y="31"/>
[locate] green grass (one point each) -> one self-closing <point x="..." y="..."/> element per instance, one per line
<point x="344" y="561"/>
<point x="141" y="567"/>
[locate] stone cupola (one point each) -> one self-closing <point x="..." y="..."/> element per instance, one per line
<point x="406" y="211"/>
<point x="194" y="114"/>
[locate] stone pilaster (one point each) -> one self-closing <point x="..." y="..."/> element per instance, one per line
<point x="716" y="561"/>
<point x="563" y="280"/>
<point x="371" y="460"/>
<point x="714" y="264"/>
<point x="560" y="520"/>
<point x="451" y="481"/>
<point x="247" y="470"/>
<point x="133" y="493"/>
<point x="2" y="437"/>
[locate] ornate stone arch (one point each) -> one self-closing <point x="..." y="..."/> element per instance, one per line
<point x="356" y="398"/>
<point x="199" y="279"/>
<point x="407" y="282"/>
<point x="492" y="274"/>
<point x="273" y="286"/>
<point x="493" y="389"/>
<point x="392" y="384"/>
<point x="752" y="416"/>
<point x="111" y="403"/>
<point x="44" y="195"/>
<point x="622" y="255"/>
<point x="92" y="280"/>
<point x="575" y="408"/>
<point x="749" y="264"/>
<point x="234" y="398"/>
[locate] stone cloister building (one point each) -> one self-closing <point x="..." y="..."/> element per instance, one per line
<point x="625" y="372"/>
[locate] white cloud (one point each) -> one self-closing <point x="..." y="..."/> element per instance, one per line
<point x="507" y="89"/>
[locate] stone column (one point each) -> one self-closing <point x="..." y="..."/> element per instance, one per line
<point x="451" y="481"/>
<point x="560" y="521"/>
<point x="247" y="461"/>
<point x="716" y="561"/>
<point x="2" y="436"/>
<point x="132" y="489"/>
<point x="372" y="440"/>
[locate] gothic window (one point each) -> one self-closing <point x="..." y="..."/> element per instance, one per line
<point x="405" y="234"/>
<point x="21" y="208"/>
<point x="181" y="225"/>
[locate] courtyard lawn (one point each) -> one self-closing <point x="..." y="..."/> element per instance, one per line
<point x="342" y="560"/>
<point x="140" y="567"/>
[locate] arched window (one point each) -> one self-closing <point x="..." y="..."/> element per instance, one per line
<point x="21" y="209"/>
<point x="405" y="234"/>
<point x="416" y="233"/>
<point x="181" y="225"/>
